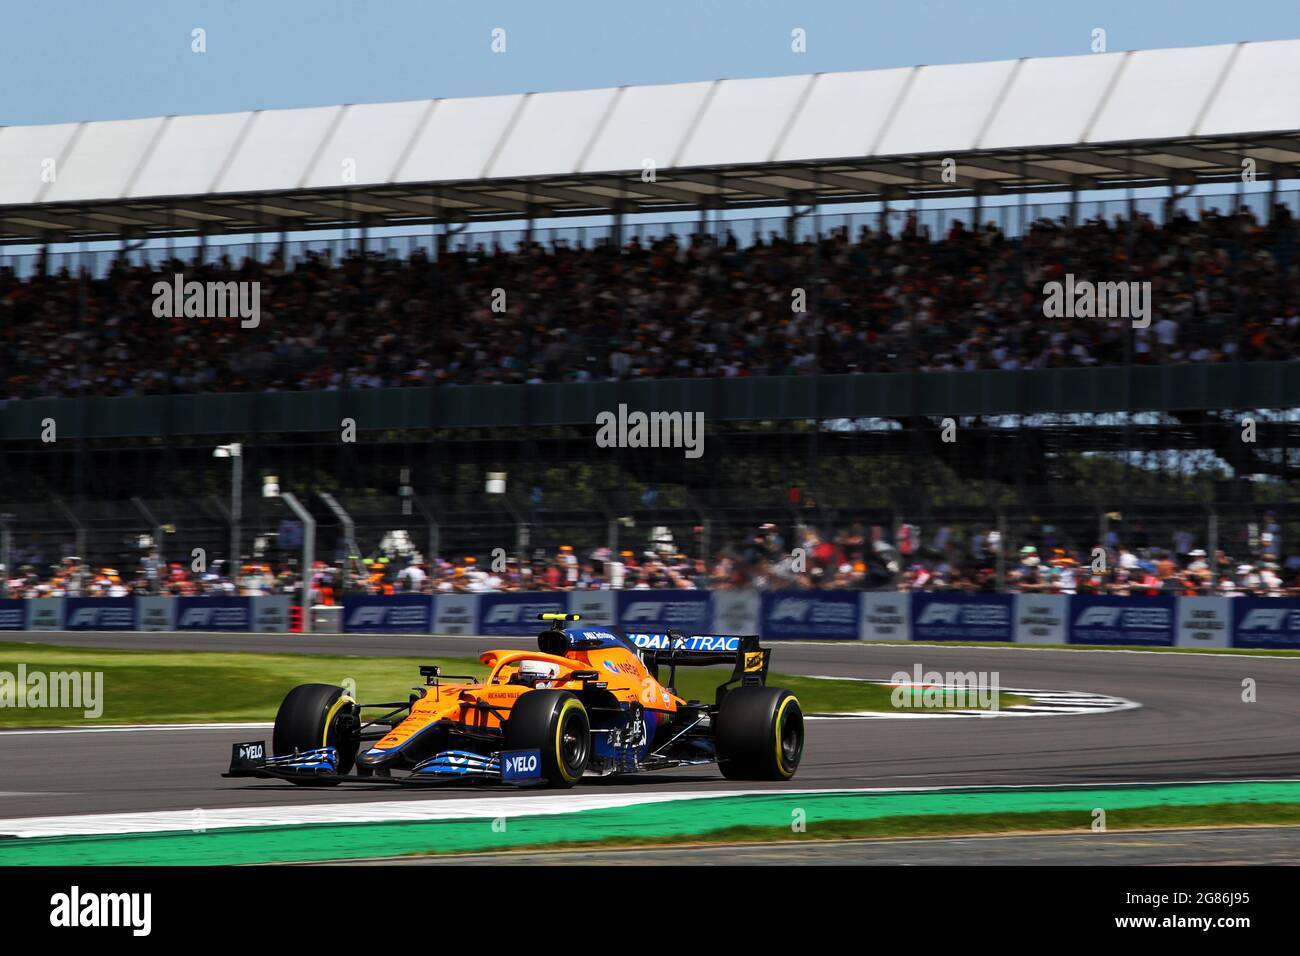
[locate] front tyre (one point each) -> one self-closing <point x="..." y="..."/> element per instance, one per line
<point x="554" y="723"/>
<point x="759" y="732"/>
<point x="318" y="715"/>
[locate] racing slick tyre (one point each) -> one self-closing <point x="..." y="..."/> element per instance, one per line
<point x="555" y="723"/>
<point x="759" y="734"/>
<point x="317" y="715"/>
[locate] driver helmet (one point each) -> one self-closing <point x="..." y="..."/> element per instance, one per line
<point x="537" y="673"/>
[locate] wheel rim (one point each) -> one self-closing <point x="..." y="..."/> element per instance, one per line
<point x="573" y="742"/>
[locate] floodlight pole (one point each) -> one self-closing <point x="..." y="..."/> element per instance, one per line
<point x="1212" y="549"/>
<point x="6" y="553"/>
<point x="78" y="528"/>
<point x="308" y="554"/>
<point x="431" y="520"/>
<point x="349" y="536"/>
<point x="1002" y="552"/>
<point x="236" y="501"/>
<point x="522" y="533"/>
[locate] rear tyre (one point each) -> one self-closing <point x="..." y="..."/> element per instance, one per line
<point x="759" y="733"/>
<point x="318" y="715"/>
<point x="555" y="723"/>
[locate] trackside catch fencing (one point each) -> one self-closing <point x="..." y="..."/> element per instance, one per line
<point x="1116" y="620"/>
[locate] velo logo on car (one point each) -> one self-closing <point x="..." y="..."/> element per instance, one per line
<point x="252" y="751"/>
<point x="521" y="765"/>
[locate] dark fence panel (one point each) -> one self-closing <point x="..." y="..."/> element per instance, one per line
<point x="876" y="395"/>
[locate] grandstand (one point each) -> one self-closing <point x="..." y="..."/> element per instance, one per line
<point x="372" y="227"/>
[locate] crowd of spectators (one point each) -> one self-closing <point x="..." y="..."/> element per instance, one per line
<point x="1222" y="287"/>
<point x="766" y="558"/>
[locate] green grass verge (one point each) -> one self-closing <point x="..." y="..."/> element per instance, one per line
<point x="201" y="686"/>
<point x="768" y="816"/>
<point x="1137" y="818"/>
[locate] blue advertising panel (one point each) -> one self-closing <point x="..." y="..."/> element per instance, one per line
<point x="213" y="614"/>
<point x="515" y="614"/>
<point x="690" y="612"/>
<point x="99" y="614"/>
<point x="13" y="614"/>
<point x="1266" y="622"/>
<point x="962" y="616"/>
<point x="375" y="613"/>
<point x="520" y="765"/>
<point x="1134" y="620"/>
<point x="810" y="615"/>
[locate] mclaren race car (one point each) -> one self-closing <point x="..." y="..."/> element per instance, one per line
<point x="591" y="701"/>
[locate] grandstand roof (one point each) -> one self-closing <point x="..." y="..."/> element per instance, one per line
<point x="1039" y="124"/>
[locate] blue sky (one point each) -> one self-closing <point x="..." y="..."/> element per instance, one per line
<point x="66" y="60"/>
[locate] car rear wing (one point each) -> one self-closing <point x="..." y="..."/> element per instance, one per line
<point x="749" y="661"/>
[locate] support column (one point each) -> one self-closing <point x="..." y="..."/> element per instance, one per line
<point x="157" y="530"/>
<point x="308" y="556"/>
<point x="1002" y="552"/>
<point x="6" y="553"/>
<point x="349" y="537"/>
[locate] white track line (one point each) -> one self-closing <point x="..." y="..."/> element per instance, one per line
<point x="129" y="729"/>
<point x="1045" y="703"/>
<point x="480" y="808"/>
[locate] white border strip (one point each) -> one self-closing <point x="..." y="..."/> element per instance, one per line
<point x="127" y="729"/>
<point x="200" y="820"/>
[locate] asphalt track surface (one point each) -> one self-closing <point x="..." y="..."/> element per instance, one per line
<point x="1192" y="725"/>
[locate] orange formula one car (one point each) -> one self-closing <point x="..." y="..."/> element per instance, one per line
<point x="591" y="701"/>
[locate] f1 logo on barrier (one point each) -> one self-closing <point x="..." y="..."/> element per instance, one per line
<point x="791" y="609"/>
<point x="197" y="617"/>
<point x="521" y="765"/>
<point x="370" y="616"/>
<point x="108" y="618"/>
<point x="1264" y="619"/>
<point x="513" y="613"/>
<point x="693" y="612"/>
<point x="938" y="613"/>
<point x="1099" y="617"/>
<point x="643" y="611"/>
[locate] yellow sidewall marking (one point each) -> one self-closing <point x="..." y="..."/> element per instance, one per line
<point x="780" y="761"/>
<point x="559" y="737"/>
<point x="330" y="715"/>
